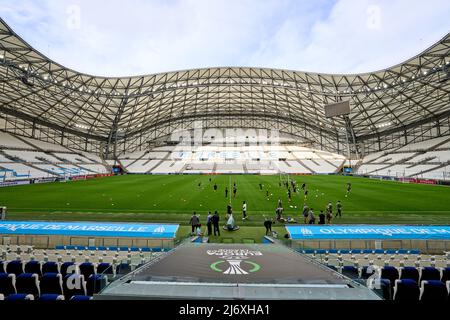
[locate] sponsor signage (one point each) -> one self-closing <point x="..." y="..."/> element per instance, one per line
<point x="14" y="183"/>
<point x="135" y="230"/>
<point x="381" y="232"/>
<point x="416" y="180"/>
<point x="45" y="180"/>
<point x="91" y="176"/>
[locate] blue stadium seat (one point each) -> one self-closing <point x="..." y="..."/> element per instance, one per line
<point x="60" y="247"/>
<point x="378" y="251"/>
<point x="158" y="249"/>
<point x="406" y="289"/>
<point x="414" y="251"/>
<point x="124" y="248"/>
<point x="74" y="284"/>
<point x="134" y="249"/>
<point x="409" y="273"/>
<point x="51" y="297"/>
<point x="15" y="266"/>
<point x="80" y="298"/>
<point x="86" y="269"/>
<point x="429" y="273"/>
<point x="50" y="267"/>
<point x="344" y="251"/>
<point x="333" y="251"/>
<point x="384" y="289"/>
<point x="70" y="247"/>
<point x="92" y="248"/>
<point x="28" y="283"/>
<point x="113" y="248"/>
<point x="19" y="296"/>
<point x="445" y="275"/>
<point x="34" y="267"/>
<point x="2" y="267"/>
<point x="123" y="268"/>
<point x="7" y="284"/>
<point x="433" y="290"/>
<point x="51" y="283"/>
<point x="66" y="267"/>
<point x="104" y="268"/>
<point x="390" y="273"/>
<point x="102" y="248"/>
<point x="95" y="283"/>
<point x="146" y="249"/>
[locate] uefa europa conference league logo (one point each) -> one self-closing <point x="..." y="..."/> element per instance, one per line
<point x="234" y="261"/>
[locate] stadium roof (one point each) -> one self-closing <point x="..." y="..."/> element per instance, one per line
<point x="39" y="90"/>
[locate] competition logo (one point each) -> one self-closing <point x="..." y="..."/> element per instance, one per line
<point x="234" y="261"/>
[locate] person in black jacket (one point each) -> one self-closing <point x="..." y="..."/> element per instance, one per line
<point x="268" y="225"/>
<point x="215" y="222"/>
<point x="209" y="223"/>
<point x="321" y="217"/>
<point x="194" y="222"/>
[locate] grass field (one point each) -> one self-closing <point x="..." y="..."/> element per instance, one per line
<point x="173" y="198"/>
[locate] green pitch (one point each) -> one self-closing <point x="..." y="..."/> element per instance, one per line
<point x="173" y="198"/>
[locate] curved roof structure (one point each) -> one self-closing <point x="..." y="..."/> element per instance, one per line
<point x="137" y="109"/>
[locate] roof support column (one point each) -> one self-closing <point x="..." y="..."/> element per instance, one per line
<point x="115" y="128"/>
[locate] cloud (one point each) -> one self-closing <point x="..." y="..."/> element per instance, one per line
<point x="117" y="38"/>
<point x="360" y="36"/>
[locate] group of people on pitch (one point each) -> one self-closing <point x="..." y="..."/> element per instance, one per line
<point x="324" y="218"/>
<point x="212" y="223"/>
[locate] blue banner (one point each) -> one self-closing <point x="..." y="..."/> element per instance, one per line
<point x="366" y="232"/>
<point x="94" y="229"/>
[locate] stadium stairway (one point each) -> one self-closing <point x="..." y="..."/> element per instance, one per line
<point x="303" y="164"/>
<point x="32" y="146"/>
<point x="40" y="169"/>
<point x="338" y="168"/>
<point x="156" y="165"/>
<point x="165" y="158"/>
<point x="133" y="162"/>
<point x="441" y="165"/>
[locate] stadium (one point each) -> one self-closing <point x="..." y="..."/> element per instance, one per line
<point x="326" y="186"/>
